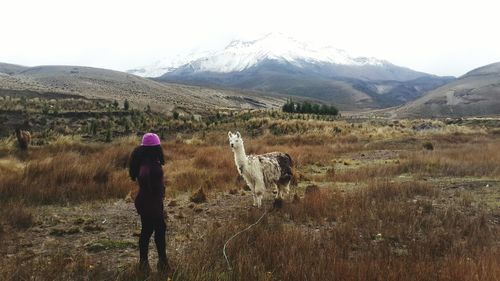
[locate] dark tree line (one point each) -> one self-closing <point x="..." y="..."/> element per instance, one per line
<point x="309" y="107"/>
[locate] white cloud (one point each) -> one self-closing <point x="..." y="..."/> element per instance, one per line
<point x="441" y="37"/>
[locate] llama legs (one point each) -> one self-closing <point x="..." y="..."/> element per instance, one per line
<point x="254" y="199"/>
<point x="287" y="189"/>
<point x="276" y="191"/>
<point x="259" y="199"/>
<point x="259" y="192"/>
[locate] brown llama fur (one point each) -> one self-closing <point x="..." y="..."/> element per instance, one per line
<point x="23" y="138"/>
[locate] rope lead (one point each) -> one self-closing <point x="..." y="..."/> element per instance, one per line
<point x="240" y="232"/>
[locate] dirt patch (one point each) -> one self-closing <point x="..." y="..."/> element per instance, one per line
<point x="108" y="231"/>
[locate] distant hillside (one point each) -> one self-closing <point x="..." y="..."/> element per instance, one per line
<point x="10" y="69"/>
<point x="114" y="85"/>
<point x="476" y="93"/>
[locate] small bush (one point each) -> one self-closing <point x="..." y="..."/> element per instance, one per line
<point x="428" y="145"/>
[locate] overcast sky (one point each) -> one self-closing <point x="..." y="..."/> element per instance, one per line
<point x="440" y="36"/>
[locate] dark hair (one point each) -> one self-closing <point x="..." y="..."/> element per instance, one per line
<point x="144" y="153"/>
<point x="154" y="153"/>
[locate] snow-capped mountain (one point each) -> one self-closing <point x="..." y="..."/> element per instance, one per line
<point x="279" y="64"/>
<point x="240" y="55"/>
<point x="167" y="64"/>
<point x="157" y="68"/>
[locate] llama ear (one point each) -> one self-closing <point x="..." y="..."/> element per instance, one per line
<point x="238" y="134"/>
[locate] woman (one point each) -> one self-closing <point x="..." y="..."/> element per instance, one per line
<point x="146" y="167"/>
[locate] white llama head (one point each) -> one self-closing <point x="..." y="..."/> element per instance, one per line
<point x="235" y="140"/>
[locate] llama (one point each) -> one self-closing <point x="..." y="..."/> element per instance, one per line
<point x="261" y="172"/>
<point x="23" y="138"/>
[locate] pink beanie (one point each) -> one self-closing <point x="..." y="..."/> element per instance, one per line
<point x="150" y="139"/>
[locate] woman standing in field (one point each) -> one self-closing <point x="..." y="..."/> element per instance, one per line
<point x="146" y="167"/>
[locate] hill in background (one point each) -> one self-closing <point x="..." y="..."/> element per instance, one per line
<point x="477" y="93"/>
<point x="99" y="83"/>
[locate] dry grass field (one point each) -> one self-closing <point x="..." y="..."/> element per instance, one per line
<point x="377" y="199"/>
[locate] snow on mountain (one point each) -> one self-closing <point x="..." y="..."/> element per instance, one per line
<point x="241" y="55"/>
<point x="156" y="69"/>
<point x="167" y="64"/>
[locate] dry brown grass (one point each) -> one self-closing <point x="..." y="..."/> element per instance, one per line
<point x="364" y="173"/>
<point x="380" y="230"/>
<point x="60" y="266"/>
<point x="211" y="167"/>
<point x="476" y="157"/>
<point x="69" y="170"/>
<point x="377" y="233"/>
<point x="471" y="159"/>
<point x="70" y="175"/>
<point x="66" y="266"/>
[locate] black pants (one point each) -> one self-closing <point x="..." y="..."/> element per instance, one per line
<point x="150" y="224"/>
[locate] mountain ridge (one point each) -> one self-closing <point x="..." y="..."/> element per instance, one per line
<point x="476" y="93"/>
